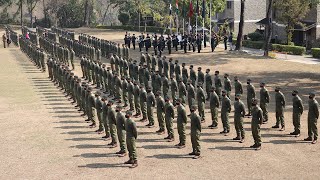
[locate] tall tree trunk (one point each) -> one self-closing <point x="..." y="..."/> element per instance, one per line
<point x="268" y="29"/>
<point x="21" y="13"/>
<point x="85" y="12"/>
<point x="31" y="22"/>
<point x="241" y="24"/>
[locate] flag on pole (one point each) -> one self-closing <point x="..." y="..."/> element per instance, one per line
<point x="170" y="9"/>
<point x="190" y="14"/>
<point x="184" y="10"/>
<point x="177" y="7"/>
<point x="197" y="8"/>
<point x="203" y="9"/>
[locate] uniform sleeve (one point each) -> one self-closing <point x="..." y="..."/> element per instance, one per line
<point x="184" y="116"/>
<point x="243" y="110"/>
<point x="283" y="100"/>
<point x="301" y="106"/>
<point x="134" y="130"/>
<point x="172" y="112"/>
<point x="316" y="110"/>
<point x="199" y="123"/>
<point x="267" y="96"/>
<point x="229" y="105"/>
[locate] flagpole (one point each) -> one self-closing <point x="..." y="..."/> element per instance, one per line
<point x="210" y="20"/>
<point x="177" y="24"/>
<point x="197" y="23"/>
<point x="183" y="26"/>
<point x="203" y="29"/>
<point x="189" y="26"/>
<point x="170" y="25"/>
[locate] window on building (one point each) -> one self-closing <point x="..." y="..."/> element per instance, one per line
<point x="229" y="4"/>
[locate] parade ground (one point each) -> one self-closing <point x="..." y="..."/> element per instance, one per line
<point x="44" y="136"/>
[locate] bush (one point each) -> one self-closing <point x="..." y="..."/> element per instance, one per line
<point x="136" y="28"/>
<point x="295" y="50"/>
<point x="251" y="44"/>
<point x="123" y="18"/>
<point x="256" y="36"/>
<point x="315" y="52"/>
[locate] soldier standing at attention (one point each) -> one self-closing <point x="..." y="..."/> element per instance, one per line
<point x="91" y="108"/>
<point x="251" y="94"/>
<point x="313" y="115"/>
<point x="200" y="76"/>
<point x="171" y="67"/>
<point x="239" y="113"/>
<point x="151" y="103"/>
<point x="237" y="86"/>
<point x="225" y="110"/>
<point x="105" y="120"/>
<point x="177" y="70"/>
<point x="257" y="119"/>
<point x="195" y="133"/>
<point x="193" y="76"/>
<point x="227" y="85"/>
<point x="99" y="104"/>
<point x="201" y="101"/>
<point x="182" y="92"/>
<point x="133" y="40"/>
<point x="280" y="105"/>
<point x="169" y="115"/>
<point x="174" y="87"/>
<point x="143" y="102"/>
<point x="185" y="75"/>
<point x="218" y="84"/>
<point x="214" y="105"/>
<point x="208" y="83"/>
<point x="264" y="101"/>
<point x="160" y="112"/>
<point x="121" y="131"/>
<point x="296" y="112"/>
<point x="112" y="124"/>
<point x="136" y="94"/>
<point x="165" y="85"/>
<point x="130" y="94"/>
<point x="191" y="95"/>
<point x="125" y="91"/>
<point x="165" y="67"/>
<point x="131" y="137"/>
<point x="181" y="124"/>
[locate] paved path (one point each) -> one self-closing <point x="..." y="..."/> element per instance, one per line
<point x="305" y="59"/>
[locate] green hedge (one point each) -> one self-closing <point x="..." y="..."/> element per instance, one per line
<point x="256" y="36"/>
<point x="136" y="28"/>
<point x="295" y="50"/>
<point x="315" y="52"/>
<point x="251" y="44"/>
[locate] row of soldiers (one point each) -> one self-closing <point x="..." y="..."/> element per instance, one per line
<point x="142" y="76"/>
<point x="105" y="46"/>
<point x="187" y="42"/>
<point x="113" y="123"/>
<point x="60" y="52"/>
<point x="36" y="55"/>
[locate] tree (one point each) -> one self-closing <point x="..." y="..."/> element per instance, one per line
<point x="268" y="29"/>
<point x="71" y="15"/>
<point x="291" y="12"/>
<point x="31" y="4"/>
<point x="123" y="18"/>
<point x="241" y="25"/>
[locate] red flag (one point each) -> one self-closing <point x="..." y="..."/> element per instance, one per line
<point x="190" y="14"/>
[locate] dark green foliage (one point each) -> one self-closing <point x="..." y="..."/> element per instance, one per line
<point x="256" y="36"/>
<point x="123" y="18"/>
<point x="71" y="15"/>
<point x="315" y="52"/>
<point x="295" y="50"/>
